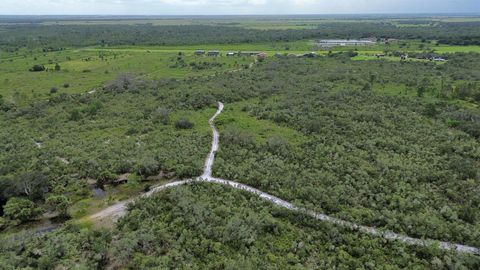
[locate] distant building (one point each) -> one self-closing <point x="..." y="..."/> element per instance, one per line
<point x="248" y="53"/>
<point x="213" y="53"/>
<point x="380" y="55"/>
<point x="199" y="52"/>
<point x="439" y="59"/>
<point x="231" y="54"/>
<point x="326" y="43"/>
<point x="262" y="56"/>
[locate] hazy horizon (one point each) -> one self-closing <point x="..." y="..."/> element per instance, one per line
<point x="420" y="14"/>
<point x="234" y="7"/>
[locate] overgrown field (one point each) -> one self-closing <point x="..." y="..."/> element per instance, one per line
<point x="383" y="143"/>
<point x="81" y="71"/>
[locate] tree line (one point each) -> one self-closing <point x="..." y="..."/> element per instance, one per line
<point x="57" y="37"/>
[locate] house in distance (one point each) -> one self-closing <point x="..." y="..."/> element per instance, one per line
<point x="248" y="53"/>
<point x="213" y="53"/>
<point x="261" y="56"/>
<point x="199" y="52"/>
<point x="328" y="43"/>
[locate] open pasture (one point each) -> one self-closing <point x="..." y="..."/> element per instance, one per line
<point x="85" y="69"/>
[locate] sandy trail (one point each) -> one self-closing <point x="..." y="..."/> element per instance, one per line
<point x="117" y="210"/>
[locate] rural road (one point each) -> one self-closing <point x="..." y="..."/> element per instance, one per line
<point x="117" y="210"/>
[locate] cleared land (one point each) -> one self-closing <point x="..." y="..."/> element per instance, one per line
<point x="82" y="70"/>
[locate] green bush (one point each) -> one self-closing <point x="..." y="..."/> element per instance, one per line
<point x="59" y="204"/>
<point x="3" y="223"/>
<point x="20" y="209"/>
<point x="161" y="115"/>
<point x="183" y="123"/>
<point x="37" y="68"/>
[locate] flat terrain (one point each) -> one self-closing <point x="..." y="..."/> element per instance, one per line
<point x="347" y="145"/>
<point x="85" y="69"/>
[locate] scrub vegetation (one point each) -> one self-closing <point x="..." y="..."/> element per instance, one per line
<point x="378" y="141"/>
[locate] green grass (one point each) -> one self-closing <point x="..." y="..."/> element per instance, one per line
<point x="20" y="85"/>
<point x="363" y="56"/>
<point x="402" y="90"/>
<point x="302" y="45"/>
<point x="454" y="49"/>
<point x="234" y="116"/>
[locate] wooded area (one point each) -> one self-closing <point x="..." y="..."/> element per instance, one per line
<point x="57" y="37"/>
<point x="204" y="226"/>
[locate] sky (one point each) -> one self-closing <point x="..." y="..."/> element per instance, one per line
<point x="227" y="7"/>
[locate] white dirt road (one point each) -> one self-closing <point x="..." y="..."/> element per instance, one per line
<point x="117" y="210"/>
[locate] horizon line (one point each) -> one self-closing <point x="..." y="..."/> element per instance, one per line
<point x="257" y="14"/>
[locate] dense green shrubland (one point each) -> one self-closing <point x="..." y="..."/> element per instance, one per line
<point x="132" y="120"/>
<point x="369" y="159"/>
<point x="204" y="226"/>
<point x="54" y="147"/>
<point x="385" y="161"/>
<point x="370" y="150"/>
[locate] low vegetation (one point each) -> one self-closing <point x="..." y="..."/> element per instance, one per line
<point x="374" y="140"/>
<point x="204" y="226"/>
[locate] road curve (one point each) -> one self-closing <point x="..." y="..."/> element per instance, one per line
<point x="119" y="209"/>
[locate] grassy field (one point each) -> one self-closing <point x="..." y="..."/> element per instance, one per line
<point x="234" y="117"/>
<point x="299" y="47"/>
<point x="88" y="68"/>
<point x="302" y="45"/>
<point x="272" y="24"/>
<point x="454" y="49"/>
<point x="84" y="70"/>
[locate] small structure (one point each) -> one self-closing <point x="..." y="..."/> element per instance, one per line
<point x="213" y="53"/>
<point x="380" y="55"/>
<point x="439" y="59"/>
<point x="231" y="54"/>
<point x="199" y="52"/>
<point x="327" y="43"/>
<point x="404" y="57"/>
<point x="248" y="53"/>
<point x="261" y="56"/>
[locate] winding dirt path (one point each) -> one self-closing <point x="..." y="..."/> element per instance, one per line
<point x="119" y="209"/>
